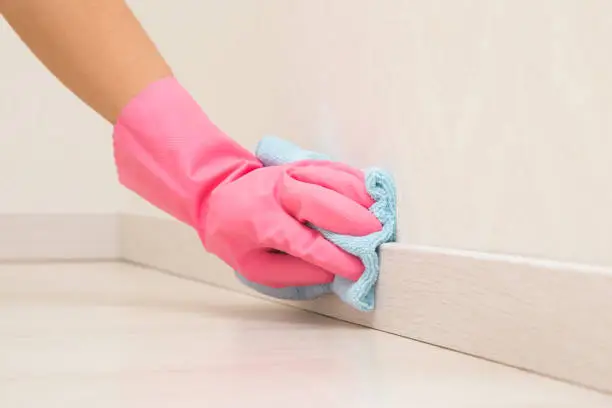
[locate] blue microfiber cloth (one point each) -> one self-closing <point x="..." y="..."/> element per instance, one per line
<point x="273" y="151"/>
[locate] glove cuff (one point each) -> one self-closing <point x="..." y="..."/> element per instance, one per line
<point x="168" y="151"/>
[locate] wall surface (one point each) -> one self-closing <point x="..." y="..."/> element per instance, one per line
<point x="55" y="154"/>
<point x="495" y="116"/>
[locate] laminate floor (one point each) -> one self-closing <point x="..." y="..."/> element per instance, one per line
<point x="117" y="335"/>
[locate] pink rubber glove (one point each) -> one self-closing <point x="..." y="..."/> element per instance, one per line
<point x="252" y="217"/>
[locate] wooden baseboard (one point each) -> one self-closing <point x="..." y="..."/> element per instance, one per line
<point x="551" y="318"/>
<point x="40" y="237"/>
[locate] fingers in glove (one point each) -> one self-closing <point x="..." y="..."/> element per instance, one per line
<point x="338" y="177"/>
<point x="292" y="237"/>
<point x="281" y="270"/>
<point x="325" y="208"/>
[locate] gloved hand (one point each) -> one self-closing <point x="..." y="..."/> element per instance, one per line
<point x="252" y="217"/>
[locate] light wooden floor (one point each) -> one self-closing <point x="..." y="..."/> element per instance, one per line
<point x="115" y="335"/>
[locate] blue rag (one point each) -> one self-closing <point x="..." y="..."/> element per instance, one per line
<point x="273" y="151"/>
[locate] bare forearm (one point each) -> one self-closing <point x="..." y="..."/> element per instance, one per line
<point x="96" y="48"/>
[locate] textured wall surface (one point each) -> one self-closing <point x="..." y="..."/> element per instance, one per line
<point x="493" y="115"/>
<point x="55" y="153"/>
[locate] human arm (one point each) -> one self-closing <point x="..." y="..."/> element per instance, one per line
<point x="96" y="48"/>
<point x="169" y="152"/>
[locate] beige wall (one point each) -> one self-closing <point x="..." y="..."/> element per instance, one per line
<point x="495" y="116"/>
<point x="55" y="154"/>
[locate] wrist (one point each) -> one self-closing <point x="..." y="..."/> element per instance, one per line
<point x="170" y="153"/>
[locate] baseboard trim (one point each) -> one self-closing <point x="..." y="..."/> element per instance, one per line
<point x="41" y="237"/>
<point x="547" y="317"/>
